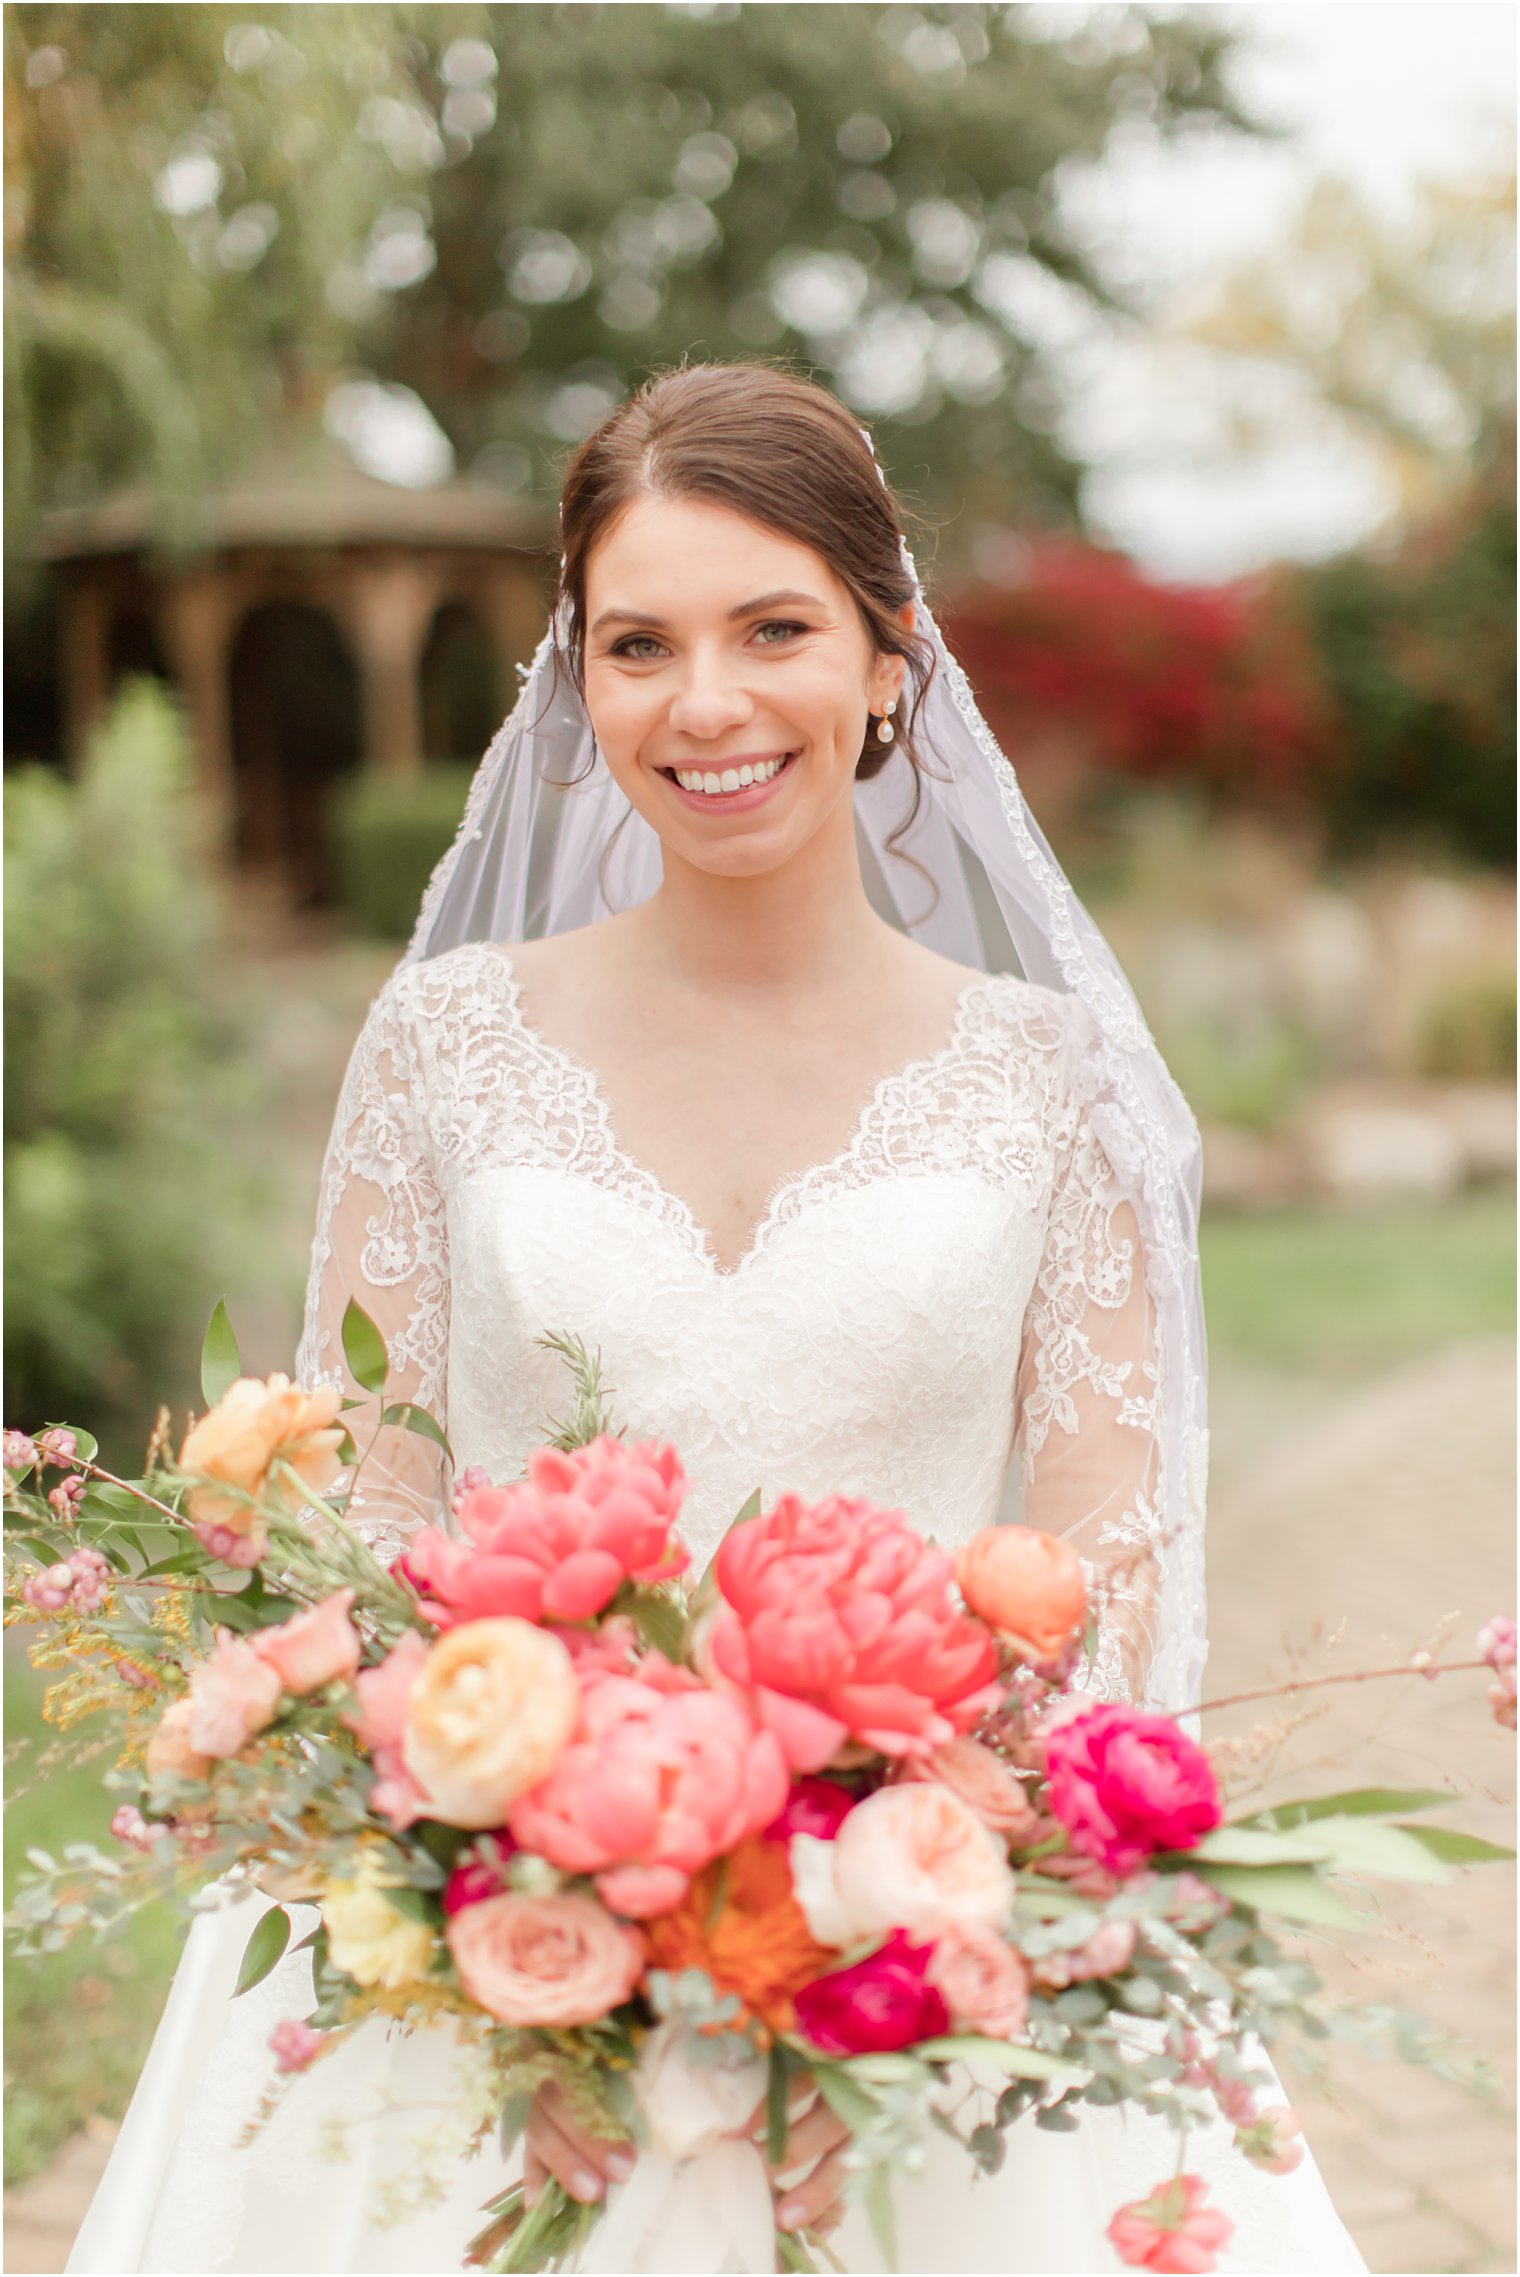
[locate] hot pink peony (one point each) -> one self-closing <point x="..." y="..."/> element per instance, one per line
<point x="884" y="2002"/>
<point x="984" y="1981"/>
<point x="380" y="1725"/>
<point x="559" y="1544"/>
<point x="661" y="1776"/>
<point x="839" y="1621"/>
<point x="317" y="1647"/>
<point x="1124" y="1785"/>
<point x="479" y="1872"/>
<point x="1174" y="2229"/>
<point x="813" y="1806"/>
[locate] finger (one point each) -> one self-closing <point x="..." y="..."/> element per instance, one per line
<point x="535" y="2173"/>
<point x="811" y="2138"/>
<point x="568" y="2164"/>
<point x="610" y="2156"/>
<point x="817" y="2198"/>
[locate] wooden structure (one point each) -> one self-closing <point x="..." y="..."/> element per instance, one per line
<point x="302" y="633"/>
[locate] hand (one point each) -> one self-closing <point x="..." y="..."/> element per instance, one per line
<point x="554" y="2143"/>
<point x="808" y="2184"/>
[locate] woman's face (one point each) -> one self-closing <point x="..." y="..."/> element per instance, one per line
<point x="721" y="653"/>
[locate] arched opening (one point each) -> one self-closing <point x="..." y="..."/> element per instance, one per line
<point x="461" y="703"/>
<point x="295" y="729"/>
<point x="133" y="650"/>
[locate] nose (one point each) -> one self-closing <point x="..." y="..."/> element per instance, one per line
<point x="710" y="699"/>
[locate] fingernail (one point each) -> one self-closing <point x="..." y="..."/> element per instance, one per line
<point x="791" y="2214"/>
<point x="620" y="2165"/>
<point x="585" y="2184"/>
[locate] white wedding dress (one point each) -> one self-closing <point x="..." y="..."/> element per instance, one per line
<point x="951" y="1298"/>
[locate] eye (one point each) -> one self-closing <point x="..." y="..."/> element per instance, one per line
<point x="625" y="647"/>
<point x="779" y="624"/>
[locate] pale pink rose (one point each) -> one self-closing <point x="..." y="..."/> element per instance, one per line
<point x="559" y="1544"/>
<point x="320" y="1646"/>
<point x="233" y="1695"/>
<point x="170" y="1754"/>
<point x="489" y="1715"/>
<point x="839" y="1622"/>
<point x="549" y="1961"/>
<point x="1107" y="1952"/>
<point x="1271" y="2139"/>
<point x="294" y="2045"/>
<point x="1175" y="2229"/>
<point x="916" y="1857"/>
<point x="661" y="1777"/>
<point x="981" y="1779"/>
<point x="252" y="1425"/>
<point x="985" y="1983"/>
<point x="1025" y="1584"/>
<point x="380" y="1724"/>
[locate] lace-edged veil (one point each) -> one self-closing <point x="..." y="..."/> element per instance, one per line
<point x="534" y="857"/>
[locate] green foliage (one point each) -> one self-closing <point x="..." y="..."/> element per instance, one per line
<point x="1418" y="655"/>
<point x="387" y="833"/>
<point x="518" y="210"/>
<point x="1467" y="1033"/>
<point x="120" y="1216"/>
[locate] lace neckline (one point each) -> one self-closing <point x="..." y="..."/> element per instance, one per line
<point x="790" y="1190"/>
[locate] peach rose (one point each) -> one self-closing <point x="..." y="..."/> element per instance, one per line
<point x="233" y="1694"/>
<point x="981" y="1779"/>
<point x="983" y="1981"/>
<point x="236" y="1443"/>
<point x="314" y="1648"/>
<point x="490" y="1714"/>
<point x="916" y="1857"/>
<point x="552" y="1961"/>
<point x="170" y="1754"/>
<point x="1026" y="1585"/>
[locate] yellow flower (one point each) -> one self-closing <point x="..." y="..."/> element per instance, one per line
<point x="367" y="1937"/>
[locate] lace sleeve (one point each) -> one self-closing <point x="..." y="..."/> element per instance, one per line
<point x="1088" y="1400"/>
<point x="382" y="1240"/>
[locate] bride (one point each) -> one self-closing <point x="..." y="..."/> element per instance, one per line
<point x="843" y="1210"/>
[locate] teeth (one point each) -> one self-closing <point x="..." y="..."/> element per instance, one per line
<point x="714" y="785"/>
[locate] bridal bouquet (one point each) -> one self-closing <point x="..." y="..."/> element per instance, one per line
<point x="841" y="1811"/>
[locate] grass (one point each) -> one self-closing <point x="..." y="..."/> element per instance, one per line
<point x="1340" y="1294"/>
<point x="77" y="2023"/>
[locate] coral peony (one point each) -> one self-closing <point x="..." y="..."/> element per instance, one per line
<point x="981" y="1779"/>
<point x="758" y="1947"/>
<point x="252" y="1426"/>
<point x="379" y="1723"/>
<point x="233" y="1695"/>
<point x="1026" y="1585"/>
<point x="916" y="1857"/>
<point x="559" y="1544"/>
<point x="838" y="1620"/>
<point x="1124" y="1784"/>
<point x="551" y="1961"/>
<point x="1172" y="2230"/>
<point x="489" y="1715"/>
<point x="317" y="1647"/>
<point x="661" y="1776"/>
<point x="884" y="2002"/>
<point x="813" y="1806"/>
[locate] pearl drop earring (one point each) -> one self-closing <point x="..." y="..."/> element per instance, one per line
<point x="885" y="730"/>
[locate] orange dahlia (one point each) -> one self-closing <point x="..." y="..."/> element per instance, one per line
<point x="759" y="1947"/>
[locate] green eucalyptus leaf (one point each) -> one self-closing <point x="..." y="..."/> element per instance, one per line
<point x="266" y="1946"/>
<point x="364" y="1349"/>
<point x="848" y="2102"/>
<point x="221" y="1362"/>
<point x="1295" y="1892"/>
<point x="877" y="2193"/>
<point x="1352" y="1802"/>
<point x="999" y="2055"/>
<point x="1454" y="1847"/>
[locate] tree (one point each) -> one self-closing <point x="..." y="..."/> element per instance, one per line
<point x="516" y="211"/>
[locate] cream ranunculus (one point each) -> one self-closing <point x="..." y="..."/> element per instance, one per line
<point x="490" y="1714"/>
<point x="366" y="1935"/>
<point x="236" y="1443"/>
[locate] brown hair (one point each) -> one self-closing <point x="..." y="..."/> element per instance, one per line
<point x="785" y="453"/>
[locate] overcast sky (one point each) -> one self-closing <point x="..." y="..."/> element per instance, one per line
<point x="1381" y="93"/>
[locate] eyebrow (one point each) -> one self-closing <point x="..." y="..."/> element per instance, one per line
<point x="745" y="609"/>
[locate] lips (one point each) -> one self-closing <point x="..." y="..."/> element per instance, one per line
<point x="745" y="796"/>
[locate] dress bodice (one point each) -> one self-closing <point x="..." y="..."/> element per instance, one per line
<point x="906" y="1314"/>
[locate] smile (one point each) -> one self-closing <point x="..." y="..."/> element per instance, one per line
<point x="744" y="785"/>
